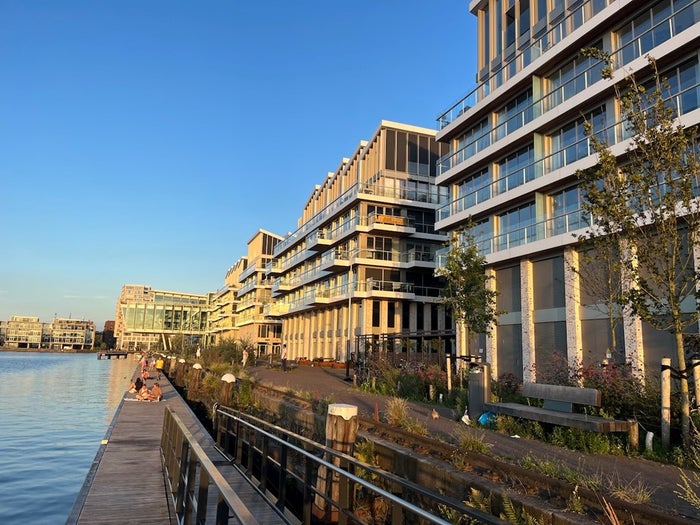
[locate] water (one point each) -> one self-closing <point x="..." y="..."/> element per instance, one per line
<point x="54" y="412"/>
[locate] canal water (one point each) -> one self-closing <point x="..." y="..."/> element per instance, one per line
<point x="54" y="411"/>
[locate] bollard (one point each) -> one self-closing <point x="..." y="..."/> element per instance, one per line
<point x="341" y="432"/>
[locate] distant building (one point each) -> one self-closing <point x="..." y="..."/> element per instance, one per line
<point x="27" y="332"/>
<point x="61" y="334"/>
<point x="254" y="295"/>
<point x="108" y="334"/>
<point x="72" y="334"/>
<point x="222" y="317"/>
<point x="147" y="318"/>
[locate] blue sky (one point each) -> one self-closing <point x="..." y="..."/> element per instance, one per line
<point x="144" y="141"/>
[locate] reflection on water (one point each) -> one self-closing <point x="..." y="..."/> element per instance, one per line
<point x="55" y="411"/>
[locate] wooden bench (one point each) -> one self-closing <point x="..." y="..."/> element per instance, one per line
<point x="558" y="406"/>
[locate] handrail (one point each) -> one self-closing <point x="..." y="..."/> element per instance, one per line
<point x="183" y="459"/>
<point x="243" y="438"/>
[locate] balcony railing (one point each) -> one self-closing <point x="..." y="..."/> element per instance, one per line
<point x="661" y="31"/>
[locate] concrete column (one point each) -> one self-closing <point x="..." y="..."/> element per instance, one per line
<point x="490" y="354"/>
<point x="528" y="322"/>
<point x="572" y="297"/>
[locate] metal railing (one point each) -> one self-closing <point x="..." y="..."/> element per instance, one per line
<point x="192" y="475"/>
<point x="287" y="467"/>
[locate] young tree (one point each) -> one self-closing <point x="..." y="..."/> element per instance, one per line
<point x="466" y="292"/>
<point x="647" y="203"/>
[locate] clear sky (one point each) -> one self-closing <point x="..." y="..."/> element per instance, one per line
<point x="146" y="141"/>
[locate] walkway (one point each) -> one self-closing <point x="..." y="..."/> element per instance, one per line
<point x="621" y="471"/>
<point x="127" y="484"/>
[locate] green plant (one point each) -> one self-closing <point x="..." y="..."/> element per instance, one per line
<point x="574" y="503"/>
<point x="633" y="491"/>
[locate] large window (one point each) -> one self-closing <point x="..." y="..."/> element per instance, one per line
<point x="516" y="226"/>
<point x="570" y="143"/>
<point x="653" y="27"/>
<point x="515" y="114"/>
<point x="380" y="248"/>
<point x="572" y="78"/>
<point x="565" y="211"/>
<point x="516" y="169"/>
<point x="475" y="189"/>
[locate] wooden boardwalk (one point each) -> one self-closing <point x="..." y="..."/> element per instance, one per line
<point x="126" y="483"/>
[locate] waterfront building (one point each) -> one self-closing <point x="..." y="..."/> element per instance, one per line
<point x="357" y="275"/>
<point x="72" y="334"/>
<point x="254" y="327"/>
<point x="27" y="332"/>
<point x="224" y="302"/>
<point x="515" y="144"/>
<point x="63" y="334"/>
<point x="147" y="319"/>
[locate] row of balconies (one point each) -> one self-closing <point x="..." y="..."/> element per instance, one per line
<point x="500" y="71"/>
<point x="364" y="289"/>
<point x="406" y="192"/>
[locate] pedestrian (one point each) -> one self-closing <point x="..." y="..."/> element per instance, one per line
<point x="245" y="357"/>
<point x="284" y="358"/>
<point x="160" y="363"/>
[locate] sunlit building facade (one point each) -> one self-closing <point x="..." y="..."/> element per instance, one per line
<point x="224" y="303"/>
<point x="62" y="334"/>
<point x="357" y="275"/>
<point x="515" y="144"/>
<point x="254" y="327"/>
<point x="147" y="319"/>
<point x="72" y="334"/>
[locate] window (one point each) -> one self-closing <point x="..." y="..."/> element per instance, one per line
<point x="564" y="207"/>
<point x="475" y="189"/>
<point x="514" y="114"/>
<point x="380" y="248"/>
<point x="572" y="78"/>
<point x="517" y="226"/>
<point x="376" y="308"/>
<point x="516" y="169"/>
<point x="570" y="143"/>
<point x="390" y="315"/>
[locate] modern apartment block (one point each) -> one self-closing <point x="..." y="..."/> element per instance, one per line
<point x="515" y="144"/>
<point x="146" y="317"/>
<point x="63" y="334"/>
<point x="357" y="275"/>
<point x="72" y="334"/>
<point x="253" y="326"/>
<point x="224" y="303"/>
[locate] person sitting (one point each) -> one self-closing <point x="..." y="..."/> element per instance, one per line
<point x="156" y="393"/>
<point x="135" y="386"/>
<point x="145" y="375"/>
<point x="143" y="393"/>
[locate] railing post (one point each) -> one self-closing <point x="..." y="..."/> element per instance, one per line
<point x="341" y="431"/>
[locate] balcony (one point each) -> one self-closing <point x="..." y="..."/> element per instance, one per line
<point x="318" y="240"/>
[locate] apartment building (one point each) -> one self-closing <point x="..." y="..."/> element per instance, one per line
<point x="72" y="334"/>
<point x="254" y="295"/>
<point x="224" y="303"/>
<point x="515" y="144"/>
<point x="27" y="332"/>
<point x="63" y="334"/>
<point x="147" y="318"/>
<point x="357" y="275"/>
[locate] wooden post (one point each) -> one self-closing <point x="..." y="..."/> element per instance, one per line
<point x="696" y="379"/>
<point x="666" y="403"/>
<point x="341" y="432"/>
<point x="448" y="359"/>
